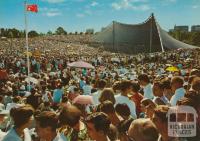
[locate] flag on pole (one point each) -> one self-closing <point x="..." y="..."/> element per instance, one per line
<point x="32" y="8"/>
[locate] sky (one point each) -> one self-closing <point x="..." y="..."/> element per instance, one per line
<point x="79" y="15"/>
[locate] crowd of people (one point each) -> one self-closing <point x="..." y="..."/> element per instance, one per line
<point x="124" y="98"/>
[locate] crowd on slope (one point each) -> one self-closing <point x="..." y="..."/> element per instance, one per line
<point x="125" y="97"/>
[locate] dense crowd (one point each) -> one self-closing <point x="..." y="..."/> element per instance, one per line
<point x="125" y="97"/>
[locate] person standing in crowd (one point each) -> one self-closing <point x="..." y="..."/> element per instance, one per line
<point x="177" y="88"/>
<point x="137" y="97"/>
<point x="192" y="99"/>
<point x="126" y="88"/>
<point x="7" y="97"/>
<point x="46" y="125"/>
<point x="81" y="82"/>
<point x="142" y="130"/>
<point x="144" y="82"/>
<point x="160" y="119"/>
<point x="71" y="124"/>
<point x="3" y="114"/>
<point x="98" y="125"/>
<point x="148" y="107"/>
<point x="57" y="94"/>
<point x="95" y="96"/>
<point x="196" y="84"/>
<point x="124" y="111"/>
<point x="33" y="99"/>
<point x="108" y="108"/>
<point x="23" y="118"/>
<point x="167" y="91"/>
<point x="14" y="104"/>
<point x="158" y="90"/>
<point x="87" y="88"/>
<point x="107" y="94"/>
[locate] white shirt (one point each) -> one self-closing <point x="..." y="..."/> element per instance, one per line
<point x="2" y="134"/>
<point x="120" y="99"/>
<point x="71" y="88"/>
<point x="12" y="105"/>
<point x="2" y="106"/>
<point x="95" y="97"/>
<point x="45" y="97"/>
<point x="148" y="92"/>
<point x="87" y="89"/>
<point x="179" y="93"/>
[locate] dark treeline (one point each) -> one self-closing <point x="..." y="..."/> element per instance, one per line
<point x="15" y="33"/>
<point x="192" y="38"/>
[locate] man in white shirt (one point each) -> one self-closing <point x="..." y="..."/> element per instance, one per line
<point x="147" y="86"/>
<point x="14" y="104"/>
<point x="120" y="99"/>
<point x="178" y="90"/>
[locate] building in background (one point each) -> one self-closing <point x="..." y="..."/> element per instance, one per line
<point x="183" y="28"/>
<point x="195" y="28"/>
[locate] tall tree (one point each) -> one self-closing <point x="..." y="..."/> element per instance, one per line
<point x="60" y="31"/>
<point x="49" y="32"/>
<point x="195" y="38"/>
<point x="33" y="34"/>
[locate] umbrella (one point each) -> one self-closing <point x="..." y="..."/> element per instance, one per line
<point x="3" y="75"/>
<point x="81" y="64"/>
<point x="32" y="79"/>
<point x="83" y="99"/>
<point x="172" y="69"/>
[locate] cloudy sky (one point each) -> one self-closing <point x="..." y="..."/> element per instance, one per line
<point x="78" y="15"/>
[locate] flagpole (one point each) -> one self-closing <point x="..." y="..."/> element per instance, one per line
<point x="27" y="49"/>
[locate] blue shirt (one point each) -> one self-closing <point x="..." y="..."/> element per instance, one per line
<point x="179" y="93"/>
<point x="12" y="136"/>
<point x="57" y="95"/>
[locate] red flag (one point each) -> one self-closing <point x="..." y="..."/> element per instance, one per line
<point x="32" y="8"/>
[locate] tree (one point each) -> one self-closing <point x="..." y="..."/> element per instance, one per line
<point x="89" y="31"/>
<point x="41" y="34"/>
<point x="195" y="38"/>
<point x="49" y="32"/>
<point x="60" y="31"/>
<point x="33" y="34"/>
<point x="14" y="33"/>
<point x="22" y="34"/>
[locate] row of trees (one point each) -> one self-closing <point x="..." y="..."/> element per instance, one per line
<point x="192" y="38"/>
<point x="15" y="33"/>
<point x="187" y="37"/>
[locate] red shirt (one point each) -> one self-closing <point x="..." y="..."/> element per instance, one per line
<point x="137" y="98"/>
